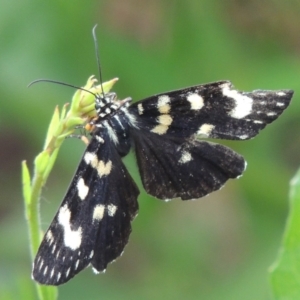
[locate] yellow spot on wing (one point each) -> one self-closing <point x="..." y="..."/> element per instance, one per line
<point x="164" y="121"/>
<point x="104" y="168"/>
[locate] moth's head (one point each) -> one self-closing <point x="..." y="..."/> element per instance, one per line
<point x="104" y="100"/>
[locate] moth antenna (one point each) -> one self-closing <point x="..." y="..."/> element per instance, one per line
<point x="98" y="57"/>
<point x="61" y="83"/>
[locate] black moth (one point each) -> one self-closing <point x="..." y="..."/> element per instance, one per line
<point x="93" y="223"/>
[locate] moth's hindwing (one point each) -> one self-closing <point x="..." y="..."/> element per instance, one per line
<point x="92" y="225"/>
<point x="170" y="169"/>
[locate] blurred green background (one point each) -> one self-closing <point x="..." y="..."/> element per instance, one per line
<point x="219" y="247"/>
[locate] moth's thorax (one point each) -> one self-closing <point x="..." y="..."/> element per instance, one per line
<point x="113" y="120"/>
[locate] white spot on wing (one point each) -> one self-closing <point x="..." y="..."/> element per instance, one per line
<point x="41" y="264"/>
<point x="163" y="105"/>
<point x="96" y="271"/>
<point x="72" y="238"/>
<point x="140" y="108"/>
<point x="279" y="104"/>
<point x="49" y="237"/>
<point x="45" y="271"/>
<point x="111" y="209"/>
<point x="99" y="139"/>
<point x="90" y="158"/>
<point x="98" y="212"/>
<point x="185" y="157"/>
<point x="205" y="130"/>
<point x="82" y="188"/>
<point x="281" y="93"/>
<point x="243" y="104"/>
<point x="77" y="264"/>
<point x="101" y="167"/>
<point x="196" y="101"/>
<point x="68" y="272"/>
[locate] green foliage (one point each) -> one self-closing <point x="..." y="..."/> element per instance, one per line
<point x="285" y="273"/>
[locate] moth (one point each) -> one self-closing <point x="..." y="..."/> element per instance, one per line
<point x="167" y="133"/>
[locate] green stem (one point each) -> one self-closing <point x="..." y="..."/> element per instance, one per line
<point x="33" y="214"/>
<point x="31" y="195"/>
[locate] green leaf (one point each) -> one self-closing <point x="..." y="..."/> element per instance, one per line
<point x="285" y="272"/>
<point x="52" y="129"/>
<point x="47" y="292"/>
